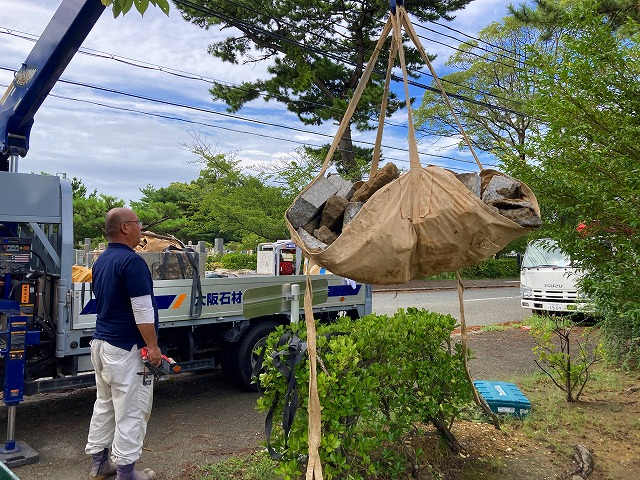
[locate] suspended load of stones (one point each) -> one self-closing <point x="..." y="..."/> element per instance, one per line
<point x="396" y="226"/>
<point x="322" y="213"/>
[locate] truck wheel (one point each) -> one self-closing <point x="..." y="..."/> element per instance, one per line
<point x="239" y="364"/>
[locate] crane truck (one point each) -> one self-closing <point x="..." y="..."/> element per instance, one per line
<point x="47" y="320"/>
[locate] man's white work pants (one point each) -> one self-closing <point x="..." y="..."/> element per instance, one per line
<point x="123" y="403"/>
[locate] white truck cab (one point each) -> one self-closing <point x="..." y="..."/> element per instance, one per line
<point x="548" y="280"/>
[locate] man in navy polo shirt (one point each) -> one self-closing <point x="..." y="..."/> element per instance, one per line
<point x="127" y="320"/>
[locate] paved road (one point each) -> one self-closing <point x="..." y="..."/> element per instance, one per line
<point x="482" y="306"/>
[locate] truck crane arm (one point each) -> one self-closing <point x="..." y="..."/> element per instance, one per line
<point x="51" y="54"/>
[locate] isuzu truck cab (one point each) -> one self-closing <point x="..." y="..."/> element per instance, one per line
<point x="548" y="280"/>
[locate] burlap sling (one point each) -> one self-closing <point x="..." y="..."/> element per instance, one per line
<point x="425" y="222"/>
<point x="421" y="224"/>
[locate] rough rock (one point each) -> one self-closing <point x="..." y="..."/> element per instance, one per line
<point x="350" y="212"/>
<point x="333" y="212"/>
<point x="312" y="225"/>
<point x="501" y="187"/>
<point x="471" y="181"/>
<point x="520" y="212"/>
<point x="385" y="175"/>
<point x="310" y="241"/>
<point x="354" y="188"/>
<point x="325" y="235"/>
<point x="173" y="265"/>
<point x="584" y="460"/>
<point x="310" y="202"/>
<point x="343" y="186"/>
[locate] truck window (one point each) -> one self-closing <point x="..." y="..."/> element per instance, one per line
<point x="540" y="254"/>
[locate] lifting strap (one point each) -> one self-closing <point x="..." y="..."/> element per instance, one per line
<point x="289" y="353"/>
<point x="195" y="306"/>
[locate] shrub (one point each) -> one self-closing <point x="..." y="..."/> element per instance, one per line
<point x="488" y="268"/>
<point x="566" y="360"/>
<point x="493" y="268"/>
<point x="233" y="261"/>
<point x="380" y="380"/>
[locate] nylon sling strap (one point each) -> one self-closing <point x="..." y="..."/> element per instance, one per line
<point x="195" y="306"/>
<point x="165" y="263"/>
<point x="314" y="466"/>
<point x="285" y="360"/>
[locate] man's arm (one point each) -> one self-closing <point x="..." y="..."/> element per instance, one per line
<point x="148" y="331"/>
<point x="144" y="314"/>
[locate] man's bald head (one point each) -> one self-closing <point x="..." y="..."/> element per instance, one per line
<point x="121" y="225"/>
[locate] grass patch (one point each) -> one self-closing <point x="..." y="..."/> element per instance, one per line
<point x="495" y="328"/>
<point x="606" y="420"/>
<point x="256" y="466"/>
<point x="557" y="423"/>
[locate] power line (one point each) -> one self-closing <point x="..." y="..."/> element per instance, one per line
<point x="228" y="115"/>
<point x="499" y="47"/>
<point x="199" y="8"/>
<point x="169" y="70"/>
<point x="253" y="28"/>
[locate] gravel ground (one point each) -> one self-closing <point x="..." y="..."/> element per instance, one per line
<point x="200" y="418"/>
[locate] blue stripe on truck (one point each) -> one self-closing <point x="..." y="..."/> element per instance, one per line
<point x="163" y="302"/>
<point x="343" y="290"/>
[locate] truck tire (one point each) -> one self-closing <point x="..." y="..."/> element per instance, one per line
<point x="240" y="359"/>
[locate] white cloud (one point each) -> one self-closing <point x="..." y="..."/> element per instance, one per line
<point x="118" y="152"/>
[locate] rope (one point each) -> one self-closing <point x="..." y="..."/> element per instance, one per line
<point x="314" y="467"/>
<point x="480" y="401"/>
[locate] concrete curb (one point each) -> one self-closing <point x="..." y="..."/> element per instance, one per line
<point x="436" y="285"/>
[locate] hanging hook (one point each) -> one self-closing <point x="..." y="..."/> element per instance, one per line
<point x="393" y="3"/>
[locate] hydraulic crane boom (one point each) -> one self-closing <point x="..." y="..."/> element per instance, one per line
<point x="51" y="54"/>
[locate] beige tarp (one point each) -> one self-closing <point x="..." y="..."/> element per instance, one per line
<point x="152" y="242"/>
<point x="424" y="223"/>
<point x="80" y="274"/>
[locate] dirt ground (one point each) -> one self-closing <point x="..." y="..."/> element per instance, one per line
<point x="199" y="419"/>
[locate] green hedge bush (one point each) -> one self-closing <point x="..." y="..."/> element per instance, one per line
<point x="489" y="268"/>
<point x="493" y="268"/>
<point x="233" y="261"/>
<point x="381" y="380"/>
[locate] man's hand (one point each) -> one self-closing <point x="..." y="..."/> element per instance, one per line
<point x="148" y="331"/>
<point x="154" y="356"/>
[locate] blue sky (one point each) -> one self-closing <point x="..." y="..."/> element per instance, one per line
<point x="117" y="151"/>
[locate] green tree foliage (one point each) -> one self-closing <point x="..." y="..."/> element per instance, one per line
<point x="292" y="173"/>
<point x="496" y="74"/>
<point x="584" y="165"/>
<point x="551" y="15"/>
<point x="169" y="210"/>
<point x="316" y="50"/>
<point x="235" y="204"/>
<point x="123" y="6"/>
<point x="233" y="261"/>
<point x="564" y="355"/>
<point x="89" y="210"/>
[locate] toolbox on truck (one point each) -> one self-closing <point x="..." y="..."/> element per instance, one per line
<point x="503" y="397"/>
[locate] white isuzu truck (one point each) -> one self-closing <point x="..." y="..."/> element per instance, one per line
<point x="548" y="280"/>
